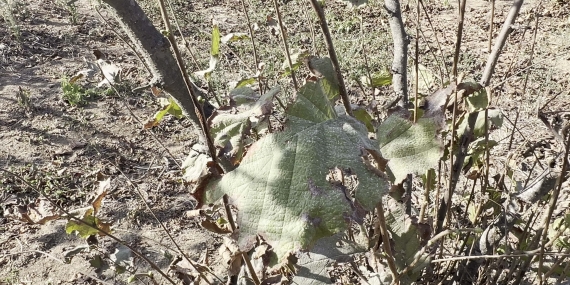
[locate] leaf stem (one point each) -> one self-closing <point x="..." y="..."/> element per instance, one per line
<point x="332" y="54"/>
<point x="386" y="241"/>
<point x="285" y="45"/>
<point x="197" y="106"/>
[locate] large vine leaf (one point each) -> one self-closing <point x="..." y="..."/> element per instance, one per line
<point x="281" y="189"/>
<point x="409" y="147"/>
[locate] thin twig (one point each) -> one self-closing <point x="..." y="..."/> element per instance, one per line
<point x="332" y="54"/>
<point x="122" y="39"/>
<point x="432" y="241"/>
<point x="491" y="20"/>
<point x="250" y="29"/>
<point x="437" y="42"/>
<point x="459" y="37"/>
<point x="425" y="202"/>
<point x="490" y="256"/>
<point x="513" y="132"/>
<point x="365" y="57"/>
<point x="285" y="44"/>
<point x="186" y="43"/>
<point x="552" y="206"/>
<point x="312" y="29"/>
<point x="386" y="241"/>
<point x="197" y="106"/>
<point x="417" y="62"/>
<point x="531" y="56"/>
<point x="142" y="198"/>
<point x="445" y="207"/>
<point x="487" y="150"/>
<point x="229" y="213"/>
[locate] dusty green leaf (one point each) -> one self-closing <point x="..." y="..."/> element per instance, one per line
<point x="362" y="115"/>
<point x="379" y="79"/>
<point x="495" y="121"/>
<point x="323" y="68"/>
<point x="409" y="147"/>
<point x="296" y="61"/>
<point x="312" y="266"/>
<point x="478" y="148"/>
<point x="281" y="189"/>
<point x="229" y="130"/>
<point x="245" y="82"/>
<point x="169" y="106"/>
<point x="232" y="37"/>
<point x="478" y="101"/>
<point x="82" y="229"/>
<point x="405" y="235"/>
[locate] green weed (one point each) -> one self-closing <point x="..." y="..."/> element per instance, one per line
<point x="8" y="9"/>
<point x="75" y="94"/>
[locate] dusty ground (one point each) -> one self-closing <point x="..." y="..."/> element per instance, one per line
<point x="63" y="149"/>
<point x="66" y="147"/>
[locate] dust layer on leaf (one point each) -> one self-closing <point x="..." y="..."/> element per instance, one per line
<point x="281" y="189"/>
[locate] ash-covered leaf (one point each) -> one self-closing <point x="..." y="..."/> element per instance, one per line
<point x="322" y="68"/>
<point x="232" y="37"/>
<point x="406" y="239"/>
<point x="495" y="121"/>
<point x="122" y="259"/>
<point x="281" y="189"/>
<point x="229" y="129"/>
<point x="195" y="167"/>
<point x="409" y="147"/>
<point x="379" y="79"/>
<point x="312" y="265"/>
